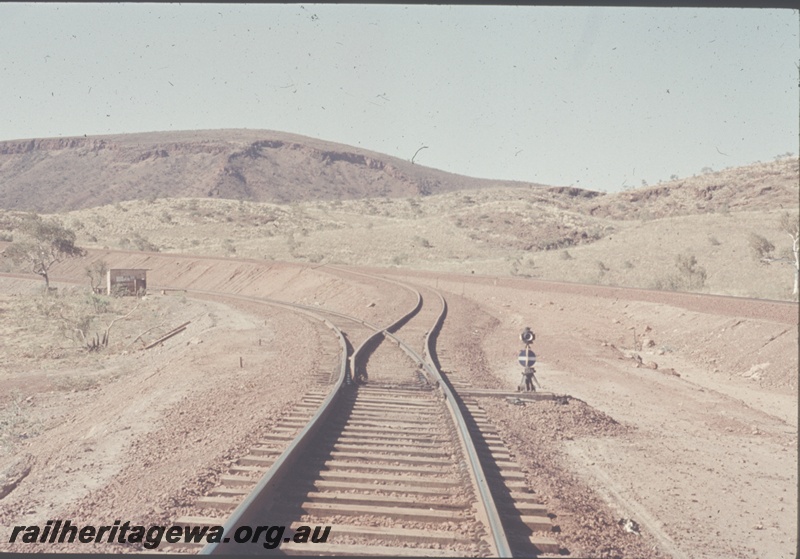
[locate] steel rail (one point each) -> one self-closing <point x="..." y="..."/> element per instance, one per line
<point x="495" y="524"/>
<point x="289" y="456"/>
<point x="241" y="515"/>
<point x="496" y="527"/>
<point x="492" y="516"/>
<point x="437" y="379"/>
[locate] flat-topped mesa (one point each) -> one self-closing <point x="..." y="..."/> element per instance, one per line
<point x="62" y="174"/>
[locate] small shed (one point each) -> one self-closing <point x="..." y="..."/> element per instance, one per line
<point x="127" y="281"/>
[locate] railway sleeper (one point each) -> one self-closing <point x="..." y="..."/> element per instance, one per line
<point x="304" y="405"/>
<point x="537" y="523"/>
<point x="222" y="491"/>
<point x="420" y="403"/>
<point x="424" y="481"/>
<point x="292" y="423"/>
<point x="397" y="419"/>
<point x="541" y="544"/>
<point x="404" y="488"/>
<point x="416" y="411"/>
<point x="519" y="485"/>
<point x="395" y="390"/>
<point x="391" y="415"/>
<point x="254" y="460"/>
<point x="221" y="503"/>
<point x="404" y="448"/>
<point x="264" y="450"/>
<point x="347" y="465"/>
<point x="419" y="427"/>
<point x="200" y="521"/>
<point x="391" y="534"/>
<point x="495" y="455"/>
<point x="388" y="419"/>
<point x="231" y="480"/>
<point x="358" y="550"/>
<point x="396" y="457"/>
<point x="383" y="500"/>
<point x="242" y="469"/>
<point x="273" y="437"/>
<point x="504" y="475"/>
<point x="402" y="513"/>
<point x="376" y="427"/>
<point x="300" y="414"/>
<point x="530" y="509"/>
<point x="390" y="439"/>
<point x="387" y="441"/>
<point x="285" y="429"/>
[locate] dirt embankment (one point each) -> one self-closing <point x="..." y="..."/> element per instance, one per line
<point x="691" y="424"/>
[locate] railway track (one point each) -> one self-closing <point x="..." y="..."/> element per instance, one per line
<point x="388" y="457"/>
<point x="385" y="471"/>
<point x="384" y="452"/>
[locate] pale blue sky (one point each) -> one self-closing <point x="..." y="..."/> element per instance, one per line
<point x="593" y="97"/>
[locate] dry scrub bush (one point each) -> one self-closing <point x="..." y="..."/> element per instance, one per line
<point x="689" y="276"/>
<point x="77" y="315"/>
<point x="760" y="246"/>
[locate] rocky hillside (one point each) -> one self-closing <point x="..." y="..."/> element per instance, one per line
<point x="761" y="186"/>
<point x="61" y="174"/>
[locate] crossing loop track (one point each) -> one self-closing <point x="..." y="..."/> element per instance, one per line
<point x="483" y="510"/>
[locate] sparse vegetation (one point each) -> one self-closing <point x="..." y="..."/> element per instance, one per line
<point x="421" y="241"/>
<point x="77" y="314"/>
<point x="44" y="242"/>
<point x="689" y="277"/>
<point x="467" y="229"/>
<point x="760" y="246"/>
<point x="229" y="247"/>
<point x="763" y="249"/>
<point x="96" y="272"/>
<point x="143" y="244"/>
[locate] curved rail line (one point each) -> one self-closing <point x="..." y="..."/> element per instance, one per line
<point x="344" y="396"/>
<point x="487" y="512"/>
<point x="490" y="512"/>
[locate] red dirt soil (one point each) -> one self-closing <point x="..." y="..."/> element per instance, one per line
<point x="700" y="452"/>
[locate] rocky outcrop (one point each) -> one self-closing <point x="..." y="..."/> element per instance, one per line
<point x="57" y="174"/>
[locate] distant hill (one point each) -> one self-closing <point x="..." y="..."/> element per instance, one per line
<point x="62" y="174"/>
<point x="760" y="186"/>
<point x="306" y="200"/>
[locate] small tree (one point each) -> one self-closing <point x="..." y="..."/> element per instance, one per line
<point x="791" y="226"/>
<point x="44" y="242"/>
<point x="760" y="246"/>
<point x="690" y="275"/>
<point x="96" y="272"/>
<point x="694" y="276"/>
<point x="763" y="249"/>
